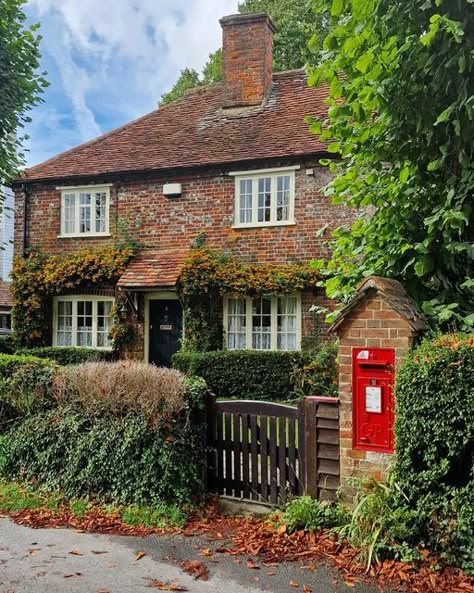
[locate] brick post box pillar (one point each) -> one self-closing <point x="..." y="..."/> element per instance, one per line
<point x="375" y="329"/>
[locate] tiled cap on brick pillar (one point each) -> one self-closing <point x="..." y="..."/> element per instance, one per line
<point x="375" y="329"/>
<point x="247" y="58"/>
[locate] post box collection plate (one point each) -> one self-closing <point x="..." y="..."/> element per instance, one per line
<point x="373" y="399"/>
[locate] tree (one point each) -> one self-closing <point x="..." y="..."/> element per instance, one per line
<point x="295" y="23"/>
<point x="188" y="79"/>
<point x="20" y="83"/>
<point x="401" y="117"/>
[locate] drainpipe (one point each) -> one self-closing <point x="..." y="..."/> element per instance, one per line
<point x="24" y="189"/>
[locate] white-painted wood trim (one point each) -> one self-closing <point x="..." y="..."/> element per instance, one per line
<point x="86" y="187"/>
<point x="77" y="190"/>
<point x="253" y="172"/>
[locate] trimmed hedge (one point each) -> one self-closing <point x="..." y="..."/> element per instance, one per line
<point x="66" y="356"/>
<point x="7" y="344"/>
<point x="121" y="459"/>
<point x="263" y="375"/>
<point x="434" y="429"/>
<point x="25" y="384"/>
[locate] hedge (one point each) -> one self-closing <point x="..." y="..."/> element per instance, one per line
<point x="120" y="459"/>
<point x="7" y="344"/>
<point x="66" y="356"/>
<point x="25" y="384"/>
<point x="263" y="375"/>
<point x="434" y="463"/>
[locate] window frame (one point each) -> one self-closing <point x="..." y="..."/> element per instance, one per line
<point x="273" y="323"/>
<point x="254" y="176"/>
<point x="75" y="299"/>
<point x="77" y="191"/>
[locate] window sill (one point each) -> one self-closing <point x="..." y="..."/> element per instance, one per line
<point x="85" y="236"/>
<point x="260" y="225"/>
<point x="100" y="349"/>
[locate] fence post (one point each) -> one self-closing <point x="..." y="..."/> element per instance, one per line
<point x="310" y="474"/>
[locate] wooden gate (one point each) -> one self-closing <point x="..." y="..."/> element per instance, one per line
<point x="268" y="452"/>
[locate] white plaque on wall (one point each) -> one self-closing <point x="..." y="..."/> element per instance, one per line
<point x="373" y="399"/>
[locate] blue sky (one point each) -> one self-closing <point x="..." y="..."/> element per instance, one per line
<point x="108" y="62"/>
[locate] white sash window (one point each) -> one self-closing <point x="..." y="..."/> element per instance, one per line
<point x="85" y="211"/>
<point x="82" y="321"/>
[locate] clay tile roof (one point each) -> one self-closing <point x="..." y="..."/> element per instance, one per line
<point x="394" y="293"/>
<point x="194" y="131"/>
<point x="5" y="294"/>
<point x="153" y="268"/>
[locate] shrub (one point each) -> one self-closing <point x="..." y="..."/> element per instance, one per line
<point x="318" y="373"/>
<point x="121" y="459"/>
<point x="119" y="388"/>
<point x="68" y="356"/>
<point x="7" y="344"/>
<point x="307" y="513"/>
<point x="26" y="382"/>
<point x="242" y="374"/>
<point x="434" y="439"/>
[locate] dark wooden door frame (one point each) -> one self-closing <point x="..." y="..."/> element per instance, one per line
<point x="155" y="296"/>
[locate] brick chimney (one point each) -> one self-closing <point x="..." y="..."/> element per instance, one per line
<point x="247" y="56"/>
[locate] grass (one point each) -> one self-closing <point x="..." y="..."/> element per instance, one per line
<point x="16" y="497"/>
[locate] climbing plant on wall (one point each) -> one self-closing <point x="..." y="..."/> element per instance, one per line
<point x="208" y="275"/>
<point x="38" y="277"/>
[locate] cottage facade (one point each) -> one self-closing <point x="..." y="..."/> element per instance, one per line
<point x="232" y="163"/>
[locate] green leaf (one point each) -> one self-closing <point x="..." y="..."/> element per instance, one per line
<point x="446" y="114"/>
<point x="363" y="63"/>
<point x="337" y="6"/>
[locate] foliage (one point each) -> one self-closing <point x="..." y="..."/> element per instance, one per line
<point x="121" y="459"/>
<point x="318" y="373"/>
<point x="7" y="344"/>
<point x="20" y="82"/>
<point x="434" y="442"/>
<point x="67" y="356"/>
<point x="38" y="277"/>
<point x="243" y="374"/>
<point x="295" y="24"/>
<point x="309" y="514"/>
<point x="207" y="275"/>
<point x="25" y="384"/>
<point x="401" y="117"/>
<point x="124" y="387"/>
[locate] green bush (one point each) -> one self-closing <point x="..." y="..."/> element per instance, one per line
<point x="434" y="439"/>
<point x="68" y="356"/>
<point x="263" y="375"/>
<point x="25" y="383"/>
<point x="7" y="344"/>
<point x="120" y="459"/>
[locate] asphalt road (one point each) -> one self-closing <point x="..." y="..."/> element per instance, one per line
<point x="61" y="560"/>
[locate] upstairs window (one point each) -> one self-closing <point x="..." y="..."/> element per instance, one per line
<point x="82" y="321"/>
<point x="85" y="211"/>
<point x="265" y="198"/>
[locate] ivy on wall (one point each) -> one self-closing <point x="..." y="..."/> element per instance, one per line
<point x="38" y="277"/>
<point x="208" y="275"/>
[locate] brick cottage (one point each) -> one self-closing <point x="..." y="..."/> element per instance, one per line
<point x="234" y="162"/>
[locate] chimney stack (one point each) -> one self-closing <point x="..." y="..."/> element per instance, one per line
<point x="247" y="58"/>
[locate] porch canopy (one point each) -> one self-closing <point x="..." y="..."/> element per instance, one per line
<point x="153" y="269"/>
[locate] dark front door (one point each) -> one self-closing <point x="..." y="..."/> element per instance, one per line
<point x="166" y="325"/>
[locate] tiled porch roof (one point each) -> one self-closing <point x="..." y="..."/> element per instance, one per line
<point x="153" y="268"/>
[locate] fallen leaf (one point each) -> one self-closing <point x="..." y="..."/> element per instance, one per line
<point x="138" y="555"/>
<point x="76" y="553"/>
<point x="205" y="552"/>
<point x="306" y="589"/>
<point x="293" y="584"/>
<point x="270" y="573"/>
<point x="196" y="569"/>
<point x="32" y="552"/>
<point x="99" y="551"/>
<point x="72" y="575"/>
<point x="103" y="591"/>
<point x="251" y="564"/>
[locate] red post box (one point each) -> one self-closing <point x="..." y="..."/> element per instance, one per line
<point x="372" y="398"/>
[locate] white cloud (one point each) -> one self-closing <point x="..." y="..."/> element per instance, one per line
<point x="114" y="58"/>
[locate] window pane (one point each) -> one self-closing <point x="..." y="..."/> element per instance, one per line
<point x="264" y="199"/>
<point x="64" y="324"/>
<point x="283" y="197"/>
<point x="85" y="213"/>
<point x="100" y="212"/>
<point x="245" y="201"/>
<point x="69" y="213"/>
<point x="286" y="322"/>
<point x="104" y="323"/>
<point x="261" y="324"/>
<point x="84" y="323"/>
<point x="237" y="324"/>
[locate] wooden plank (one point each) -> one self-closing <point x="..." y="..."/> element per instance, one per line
<point x="328" y="483"/>
<point x="292" y="486"/>
<point x="220" y="453"/>
<point x="328" y="466"/>
<point x="254" y="457"/>
<point x="301" y="447"/>
<point x="237" y="455"/>
<point x="328" y="423"/>
<point x="282" y="467"/>
<point x="328" y="451"/>
<point x="326" y="411"/>
<point x="273" y="462"/>
<point x="264" y="458"/>
<point x="245" y="456"/>
<point x="257" y="408"/>
<point x="228" y="453"/>
<point x="328" y="437"/>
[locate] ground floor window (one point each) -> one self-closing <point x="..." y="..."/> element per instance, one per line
<point x="263" y="323"/>
<point x="5" y="322"/>
<point x="83" y="321"/>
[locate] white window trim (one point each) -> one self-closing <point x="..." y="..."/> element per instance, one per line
<point x="92" y="189"/>
<point x="274" y="321"/>
<point x="75" y="299"/>
<point x="254" y="175"/>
